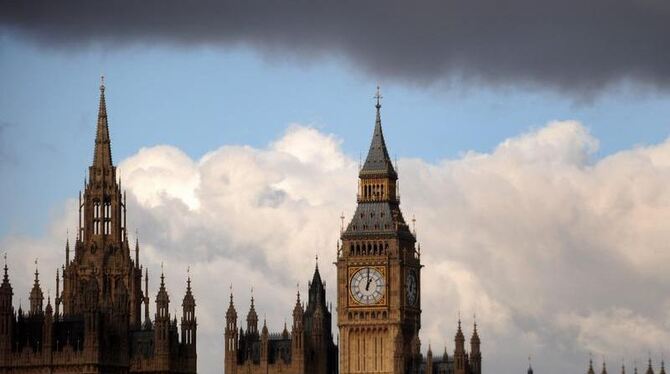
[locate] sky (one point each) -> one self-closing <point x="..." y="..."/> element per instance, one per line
<point x="534" y="156"/>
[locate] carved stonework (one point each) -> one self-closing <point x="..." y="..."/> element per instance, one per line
<point x="100" y="329"/>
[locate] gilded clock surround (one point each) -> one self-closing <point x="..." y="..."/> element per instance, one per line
<point x="353" y="270"/>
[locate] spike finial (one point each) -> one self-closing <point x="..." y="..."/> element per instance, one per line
<point x="162" y="275"/>
<point x="188" y="278"/>
<point x="378" y="97"/>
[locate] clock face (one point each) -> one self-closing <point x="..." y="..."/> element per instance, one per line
<point x="411" y="288"/>
<point x="367" y="286"/>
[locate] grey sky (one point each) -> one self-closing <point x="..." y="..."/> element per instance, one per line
<point x="575" y="47"/>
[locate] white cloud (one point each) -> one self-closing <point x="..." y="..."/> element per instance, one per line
<point x="558" y="253"/>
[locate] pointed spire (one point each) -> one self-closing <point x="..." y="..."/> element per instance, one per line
<point x="162" y="277"/>
<point x="67" y="248"/>
<point x="103" y="151"/>
<point x="6" y="287"/>
<point x="530" y="367"/>
<point x="316" y="279"/>
<point x="297" y="309"/>
<point x="189" y="301"/>
<point x="662" y="367"/>
<point x="650" y="369"/>
<point x="188" y="279"/>
<point x="284" y="333"/>
<point x="378" y="160"/>
<point x="36" y="295"/>
<point x="137" y="248"/>
<point x="474" y="340"/>
<point x="231" y="313"/>
<point x="57" y="297"/>
<point x="265" y="327"/>
<point x="460" y="338"/>
<point x="604" y="367"/>
<point x="5" y="278"/>
<point x="252" y="316"/>
<point x="49" y="309"/>
<point x="147" y="318"/>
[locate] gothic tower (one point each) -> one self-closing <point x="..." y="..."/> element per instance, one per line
<point x="162" y="321"/>
<point x="460" y="356"/>
<point x="378" y="274"/>
<point x="230" y="345"/>
<point x="102" y="253"/>
<point x="475" y="352"/>
<point x="189" y="324"/>
<point x="6" y="318"/>
<point x="96" y="326"/>
<point x="297" y="335"/>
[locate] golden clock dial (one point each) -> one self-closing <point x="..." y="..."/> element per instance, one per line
<point x="367" y="286"/>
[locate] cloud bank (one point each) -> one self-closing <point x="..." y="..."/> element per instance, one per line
<point x="576" y="47"/>
<point x="558" y="253"/>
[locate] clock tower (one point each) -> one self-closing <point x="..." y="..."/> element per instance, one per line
<point x="378" y="274"/>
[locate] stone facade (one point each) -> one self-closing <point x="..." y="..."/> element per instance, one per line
<point x="307" y="349"/>
<point x="379" y="282"/>
<point x="96" y="325"/>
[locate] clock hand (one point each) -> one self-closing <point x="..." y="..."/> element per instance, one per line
<point x="367" y="285"/>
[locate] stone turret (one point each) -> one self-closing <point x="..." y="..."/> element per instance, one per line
<point x="162" y="320"/>
<point x="231" y="338"/>
<point x="475" y="352"/>
<point x="6" y="316"/>
<point x="36" y="295"/>
<point x="297" y="335"/>
<point x="460" y="356"/>
<point x="252" y="320"/>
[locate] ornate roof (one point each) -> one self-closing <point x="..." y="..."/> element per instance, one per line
<point x="102" y="157"/>
<point x="378" y="161"/>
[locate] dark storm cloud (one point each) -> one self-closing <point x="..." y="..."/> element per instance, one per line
<point x="573" y="46"/>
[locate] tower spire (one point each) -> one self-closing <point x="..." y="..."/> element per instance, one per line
<point x="36" y="296"/>
<point x="103" y="150"/>
<point x="188" y="279"/>
<point x="378" y="160"/>
<point x="5" y="278"/>
<point x="162" y="276"/>
<point x="137" y="249"/>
